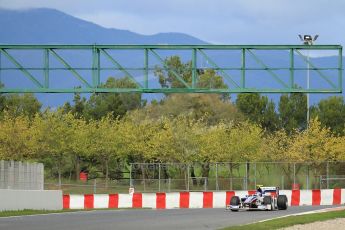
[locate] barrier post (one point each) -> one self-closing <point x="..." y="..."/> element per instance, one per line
<point x="294" y="173"/>
<point x="20" y="179"/>
<point x="246" y="178"/>
<point x="169" y="183"/>
<point x="159" y="177"/>
<point x="2" y="174"/>
<point x="188" y="178"/>
<point x="42" y="176"/>
<point x="130" y="175"/>
<point x="205" y="184"/>
<point x="10" y="175"/>
<point x="94" y="186"/>
<point x="282" y="187"/>
<point x="307" y="177"/>
<point x="320" y="181"/>
<point x="217" y="186"/>
<point x="327" y="171"/>
<point x="255" y="175"/>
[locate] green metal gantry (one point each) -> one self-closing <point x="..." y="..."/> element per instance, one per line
<point x="16" y="54"/>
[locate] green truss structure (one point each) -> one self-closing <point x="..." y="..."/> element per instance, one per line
<point x="13" y="57"/>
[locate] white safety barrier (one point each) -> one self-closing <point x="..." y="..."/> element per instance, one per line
<point x="195" y="199"/>
<point x="33" y="199"/>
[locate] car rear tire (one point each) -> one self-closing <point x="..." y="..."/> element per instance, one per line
<point x="282" y="202"/>
<point x="235" y="201"/>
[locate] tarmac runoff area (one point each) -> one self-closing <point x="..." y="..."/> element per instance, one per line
<point x="146" y="219"/>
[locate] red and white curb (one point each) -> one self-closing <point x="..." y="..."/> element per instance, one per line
<point x="194" y="199"/>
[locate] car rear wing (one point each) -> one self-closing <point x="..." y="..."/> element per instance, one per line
<point x="273" y="191"/>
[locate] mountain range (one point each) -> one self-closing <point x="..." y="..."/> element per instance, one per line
<point x="49" y="26"/>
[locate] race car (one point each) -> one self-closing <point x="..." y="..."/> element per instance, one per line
<point x="265" y="198"/>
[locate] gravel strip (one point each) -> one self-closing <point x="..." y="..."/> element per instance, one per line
<point x="335" y="224"/>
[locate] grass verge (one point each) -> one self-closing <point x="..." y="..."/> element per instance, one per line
<point x="289" y="221"/>
<point x="33" y="212"/>
<point x="26" y="212"/>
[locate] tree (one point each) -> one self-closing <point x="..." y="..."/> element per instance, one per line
<point x="258" y="109"/>
<point x="210" y="80"/>
<point x="106" y="141"/>
<point x="314" y="145"/>
<point x="2" y="100"/>
<point x="206" y="79"/>
<point x="21" y="104"/>
<point x="79" y="141"/>
<point x="167" y="77"/>
<point x="270" y="120"/>
<point x="227" y="142"/>
<point x="216" y="146"/>
<point x="184" y="142"/>
<point x="277" y="149"/>
<point x="149" y="139"/>
<point x="331" y="112"/>
<point x="15" y="138"/>
<point x="78" y="107"/>
<point x="53" y="138"/>
<point x="196" y="106"/>
<point x="338" y="148"/>
<point x="277" y="145"/>
<point x="100" y="104"/>
<point x="138" y="144"/>
<point x="293" y="111"/>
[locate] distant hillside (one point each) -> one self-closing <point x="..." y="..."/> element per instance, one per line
<point x="48" y="26"/>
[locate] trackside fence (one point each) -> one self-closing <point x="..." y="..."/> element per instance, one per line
<point x="174" y="177"/>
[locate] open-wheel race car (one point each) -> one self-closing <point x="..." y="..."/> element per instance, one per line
<point x="265" y="198"/>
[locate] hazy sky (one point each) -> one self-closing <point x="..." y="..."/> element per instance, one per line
<point x="215" y="21"/>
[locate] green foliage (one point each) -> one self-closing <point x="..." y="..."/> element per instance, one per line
<point x="331" y="113"/>
<point x="258" y="109"/>
<point x="167" y="78"/>
<point x="104" y="141"/>
<point x="210" y="80"/>
<point x="78" y="107"/>
<point x="100" y="104"/>
<point x="98" y="133"/>
<point x="54" y="139"/>
<point x="20" y="104"/>
<point x="293" y="111"/>
<point x="15" y="138"/>
<point x="197" y="106"/>
<point x="2" y="102"/>
<point x="227" y="142"/>
<point x="206" y="79"/>
<point x="63" y="141"/>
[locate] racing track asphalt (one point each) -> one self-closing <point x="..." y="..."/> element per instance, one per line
<point x="144" y="219"/>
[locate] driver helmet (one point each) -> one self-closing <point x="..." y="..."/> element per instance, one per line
<point x="259" y="190"/>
